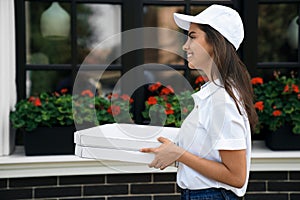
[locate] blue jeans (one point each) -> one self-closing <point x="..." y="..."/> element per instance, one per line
<point x="208" y="194"/>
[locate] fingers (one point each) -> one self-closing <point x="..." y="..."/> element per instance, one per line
<point x="153" y="163"/>
<point x="156" y="164"/>
<point x="153" y="150"/>
<point x="148" y="150"/>
<point x="163" y="140"/>
<point x="163" y="167"/>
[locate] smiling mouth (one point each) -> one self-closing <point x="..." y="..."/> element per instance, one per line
<point x="188" y="55"/>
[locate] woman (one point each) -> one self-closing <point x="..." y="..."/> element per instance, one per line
<point x="214" y="145"/>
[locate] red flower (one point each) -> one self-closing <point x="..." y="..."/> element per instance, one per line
<point x="259" y="105"/>
<point x="31" y="99"/>
<point x="168" y="105"/>
<point x="169" y="112"/>
<point x="257" y="80"/>
<point x="295" y="88"/>
<point x="200" y="79"/>
<point x="286" y="88"/>
<point x="56" y="94"/>
<point x="152" y="101"/>
<point x="170" y="88"/>
<point x="167" y="90"/>
<point x="115" y="95"/>
<point x="64" y="90"/>
<point x="37" y="102"/>
<point x="154" y="87"/>
<point x="87" y="92"/>
<point x="165" y="98"/>
<point x="125" y="97"/>
<point x="276" y="113"/>
<point x="185" y="110"/>
<point x="114" y="110"/>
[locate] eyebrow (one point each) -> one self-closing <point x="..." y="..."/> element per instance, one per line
<point x="190" y="33"/>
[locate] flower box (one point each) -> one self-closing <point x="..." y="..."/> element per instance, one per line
<point x="49" y="141"/>
<point x="47" y="120"/>
<point x="277" y="102"/>
<point x="283" y="139"/>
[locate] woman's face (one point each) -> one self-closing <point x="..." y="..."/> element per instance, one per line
<point x="199" y="52"/>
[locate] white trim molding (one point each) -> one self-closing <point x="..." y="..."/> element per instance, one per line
<point x="19" y="165"/>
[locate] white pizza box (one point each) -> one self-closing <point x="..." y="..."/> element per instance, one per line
<point x="113" y="154"/>
<point x="121" y="141"/>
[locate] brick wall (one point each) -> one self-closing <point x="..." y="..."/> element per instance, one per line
<point x="274" y="186"/>
<point x="156" y="186"/>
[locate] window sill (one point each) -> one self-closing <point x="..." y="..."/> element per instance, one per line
<point x="19" y="165"/>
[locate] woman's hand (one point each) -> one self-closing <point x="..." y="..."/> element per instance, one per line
<point x="165" y="154"/>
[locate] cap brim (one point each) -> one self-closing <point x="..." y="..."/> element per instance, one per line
<point x="184" y="21"/>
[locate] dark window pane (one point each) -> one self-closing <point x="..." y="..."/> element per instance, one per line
<point x="273" y="37"/>
<point x="162" y="17"/>
<point x="47" y="81"/>
<point x="195" y="10"/>
<point x="212" y="1"/>
<point x="47" y="33"/>
<point x="96" y="23"/>
<point x="103" y="82"/>
<point x="173" y="78"/>
<point x="163" y="0"/>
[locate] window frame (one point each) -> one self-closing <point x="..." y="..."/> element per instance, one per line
<point x="279" y="65"/>
<point x="128" y="21"/>
<point x="132" y="17"/>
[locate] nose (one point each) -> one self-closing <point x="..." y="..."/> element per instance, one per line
<point x="185" y="47"/>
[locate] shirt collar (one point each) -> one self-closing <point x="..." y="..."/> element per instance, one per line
<point x="208" y="89"/>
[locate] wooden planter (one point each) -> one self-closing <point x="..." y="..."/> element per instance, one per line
<point x="49" y="141"/>
<point x="283" y="139"/>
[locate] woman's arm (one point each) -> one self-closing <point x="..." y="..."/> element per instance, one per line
<point x="232" y="170"/>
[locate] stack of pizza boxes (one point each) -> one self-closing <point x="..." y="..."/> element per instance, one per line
<point x="121" y="142"/>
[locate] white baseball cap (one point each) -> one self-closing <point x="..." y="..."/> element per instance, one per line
<point x="223" y="19"/>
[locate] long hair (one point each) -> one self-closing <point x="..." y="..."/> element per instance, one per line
<point x="233" y="72"/>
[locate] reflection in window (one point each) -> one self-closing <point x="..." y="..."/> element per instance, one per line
<point x="162" y="17"/>
<point x="57" y="80"/>
<point x="101" y="81"/>
<point x="195" y="10"/>
<point x="46" y="49"/>
<point x="273" y="26"/>
<point x="173" y="78"/>
<point x="96" y="23"/>
<point x="51" y="81"/>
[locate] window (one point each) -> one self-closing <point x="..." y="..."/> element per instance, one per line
<point x="49" y="59"/>
<point x="272" y="26"/>
<point x="162" y="17"/>
<point x="277" y="36"/>
<point x="54" y="57"/>
<point x="46" y="63"/>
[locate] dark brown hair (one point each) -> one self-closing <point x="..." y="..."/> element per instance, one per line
<point x="232" y="72"/>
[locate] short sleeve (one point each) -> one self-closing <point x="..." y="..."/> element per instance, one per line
<point x="232" y="136"/>
<point x="233" y="133"/>
<point x="227" y="127"/>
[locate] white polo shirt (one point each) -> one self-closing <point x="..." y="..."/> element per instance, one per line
<point x="214" y="124"/>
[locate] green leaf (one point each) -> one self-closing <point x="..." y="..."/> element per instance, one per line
<point x="296" y="129"/>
